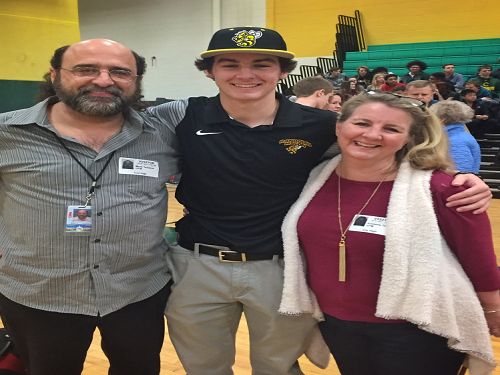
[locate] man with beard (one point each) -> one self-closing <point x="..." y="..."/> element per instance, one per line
<point x="65" y="154"/>
<point x="82" y="218"/>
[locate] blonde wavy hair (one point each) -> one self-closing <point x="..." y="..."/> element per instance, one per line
<point x="374" y="79"/>
<point x="428" y="147"/>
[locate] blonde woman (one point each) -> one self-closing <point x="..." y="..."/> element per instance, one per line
<point x="405" y="285"/>
<point x="377" y="82"/>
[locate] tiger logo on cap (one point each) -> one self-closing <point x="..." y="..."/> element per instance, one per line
<point x="246" y="38"/>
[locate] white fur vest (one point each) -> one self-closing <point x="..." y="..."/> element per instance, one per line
<point x="422" y="281"/>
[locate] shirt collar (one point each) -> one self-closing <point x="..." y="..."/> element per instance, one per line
<point x="289" y="114"/>
<point x="133" y="125"/>
<point x="38" y="115"/>
<point x="34" y="115"/>
<point x="454" y="126"/>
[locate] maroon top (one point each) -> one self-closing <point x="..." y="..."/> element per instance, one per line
<point x="468" y="235"/>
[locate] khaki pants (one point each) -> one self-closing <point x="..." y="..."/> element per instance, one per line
<point x="205" y="308"/>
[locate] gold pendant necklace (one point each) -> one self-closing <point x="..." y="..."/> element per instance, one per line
<point x="342" y="261"/>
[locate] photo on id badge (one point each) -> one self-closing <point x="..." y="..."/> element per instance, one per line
<point x="79" y="220"/>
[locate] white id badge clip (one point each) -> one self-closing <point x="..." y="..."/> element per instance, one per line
<point x="78" y="221"/>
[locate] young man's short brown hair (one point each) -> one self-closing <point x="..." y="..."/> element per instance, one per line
<point x="473" y="82"/>
<point x="308" y="86"/>
<point x="485" y="66"/>
<point x="286" y="65"/>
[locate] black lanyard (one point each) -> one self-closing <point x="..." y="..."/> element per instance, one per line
<point x="94" y="179"/>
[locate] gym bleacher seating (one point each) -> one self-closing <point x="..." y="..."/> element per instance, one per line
<point x="466" y="55"/>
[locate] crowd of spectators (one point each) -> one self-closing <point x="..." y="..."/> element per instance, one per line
<point x="468" y="108"/>
<point x="480" y="92"/>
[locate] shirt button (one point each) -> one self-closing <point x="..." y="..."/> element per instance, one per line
<point x="97" y="240"/>
<point x="99" y="214"/>
<point x="96" y="266"/>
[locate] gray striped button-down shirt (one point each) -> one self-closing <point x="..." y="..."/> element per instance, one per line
<point x="124" y="258"/>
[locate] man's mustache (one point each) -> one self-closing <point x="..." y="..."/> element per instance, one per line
<point x="113" y="90"/>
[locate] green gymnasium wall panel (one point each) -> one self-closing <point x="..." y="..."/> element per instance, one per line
<point x="17" y="94"/>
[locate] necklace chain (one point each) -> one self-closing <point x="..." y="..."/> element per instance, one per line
<point x="342" y="260"/>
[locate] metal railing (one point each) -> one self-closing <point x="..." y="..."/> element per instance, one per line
<point x="325" y="63"/>
<point x="350" y="37"/>
<point x="309" y="70"/>
<point x="289" y="81"/>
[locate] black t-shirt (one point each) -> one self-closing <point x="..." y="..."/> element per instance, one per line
<point x="239" y="182"/>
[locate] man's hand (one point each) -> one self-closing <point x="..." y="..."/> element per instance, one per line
<point x="476" y="198"/>
<point x="486" y="99"/>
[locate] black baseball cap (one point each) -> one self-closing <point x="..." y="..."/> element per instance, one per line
<point x="247" y="39"/>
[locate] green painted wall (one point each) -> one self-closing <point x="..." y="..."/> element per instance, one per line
<point x="17" y="94"/>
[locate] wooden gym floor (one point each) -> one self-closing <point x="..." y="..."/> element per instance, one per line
<point x="97" y="364"/>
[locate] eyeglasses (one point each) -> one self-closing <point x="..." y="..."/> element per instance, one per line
<point x="88" y="72"/>
<point x="413" y="101"/>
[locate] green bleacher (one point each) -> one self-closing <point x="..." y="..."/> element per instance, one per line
<point x="466" y="55"/>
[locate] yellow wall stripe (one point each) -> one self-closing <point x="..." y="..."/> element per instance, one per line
<point x="31" y="30"/>
<point x="309" y="26"/>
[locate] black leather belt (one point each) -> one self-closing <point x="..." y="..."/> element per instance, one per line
<point x="227" y="255"/>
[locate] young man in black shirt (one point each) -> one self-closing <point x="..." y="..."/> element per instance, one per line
<point x="246" y="155"/>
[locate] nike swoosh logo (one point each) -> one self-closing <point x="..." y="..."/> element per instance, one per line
<point x="200" y="132"/>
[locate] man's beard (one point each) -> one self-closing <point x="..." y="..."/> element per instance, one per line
<point x="98" y="106"/>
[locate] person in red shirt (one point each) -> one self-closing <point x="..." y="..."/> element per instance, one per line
<point x="391" y="81"/>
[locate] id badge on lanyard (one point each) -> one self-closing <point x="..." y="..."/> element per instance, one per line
<point x="78" y="221"/>
<point x="79" y="218"/>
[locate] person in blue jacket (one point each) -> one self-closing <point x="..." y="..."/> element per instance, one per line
<point x="464" y="148"/>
